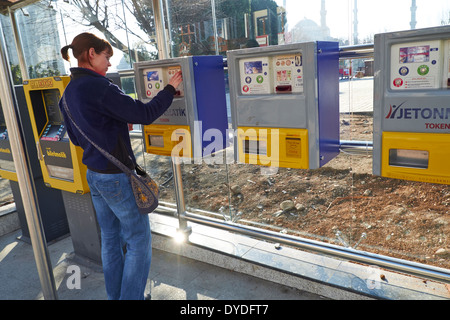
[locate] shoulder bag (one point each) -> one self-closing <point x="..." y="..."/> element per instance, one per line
<point x="145" y="189"/>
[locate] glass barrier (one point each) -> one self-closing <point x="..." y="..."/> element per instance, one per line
<point x="342" y="202"/>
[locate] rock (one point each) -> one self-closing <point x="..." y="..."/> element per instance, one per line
<point x="442" y="252"/>
<point x="287" y="205"/>
<point x="399" y="211"/>
<point x="235" y="189"/>
<point x="339" y="191"/>
<point x="278" y="213"/>
<point x="367" y="192"/>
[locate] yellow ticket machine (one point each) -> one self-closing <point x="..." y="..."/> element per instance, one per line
<point x="61" y="164"/>
<point x="49" y="201"/>
<point x="60" y="159"/>
<point x="7" y="169"/>
<point x="198" y="110"/>
<point x="411" y="105"/>
<point x="285" y="104"/>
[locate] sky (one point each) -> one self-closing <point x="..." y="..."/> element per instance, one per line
<point x="373" y="16"/>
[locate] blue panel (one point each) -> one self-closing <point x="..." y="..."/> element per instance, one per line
<point x="210" y="95"/>
<point x="328" y="96"/>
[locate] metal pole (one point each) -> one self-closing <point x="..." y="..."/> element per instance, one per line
<point x="176" y="162"/>
<point x="352" y="254"/>
<point x="169" y="27"/>
<point x="26" y="185"/>
<point x="160" y="29"/>
<point x="22" y="63"/>
<point x="179" y="194"/>
<point x="216" y="41"/>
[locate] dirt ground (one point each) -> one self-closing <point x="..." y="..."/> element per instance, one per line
<point x="340" y="203"/>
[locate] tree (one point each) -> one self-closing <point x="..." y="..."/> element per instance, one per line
<point x="41" y="71"/>
<point x="445" y="20"/>
<point x="104" y="16"/>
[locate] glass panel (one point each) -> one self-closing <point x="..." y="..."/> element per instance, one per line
<point x="158" y="167"/>
<point x="191" y="27"/>
<point x="12" y="55"/>
<point x="343" y="202"/>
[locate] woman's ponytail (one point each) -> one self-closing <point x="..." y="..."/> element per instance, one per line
<point x="65" y="53"/>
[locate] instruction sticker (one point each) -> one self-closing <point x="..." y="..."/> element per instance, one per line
<point x="293" y="147"/>
<point x="416" y="65"/>
<point x="254" y="74"/>
<point x="153" y="81"/>
<point x="288" y="73"/>
<point x="171" y="71"/>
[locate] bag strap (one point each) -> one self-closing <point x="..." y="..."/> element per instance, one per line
<point x="145" y="184"/>
<point x="110" y="157"/>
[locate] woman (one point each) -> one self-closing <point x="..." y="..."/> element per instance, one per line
<point x="103" y="112"/>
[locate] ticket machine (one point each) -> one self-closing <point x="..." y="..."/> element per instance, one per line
<point x="285" y="104"/>
<point x="61" y="164"/>
<point x="49" y="201"/>
<point x="7" y="169"/>
<point x="198" y="111"/>
<point x="411" y="105"/>
<point x="60" y="159"/>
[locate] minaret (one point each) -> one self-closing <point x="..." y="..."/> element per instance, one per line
<point x="355" y="23"/>
<point x="323" y="21"/>
<point x="323" y="16"/>
<point x="413" y="14"/>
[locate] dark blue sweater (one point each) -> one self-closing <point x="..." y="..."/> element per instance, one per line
<point x="102" y="110"/>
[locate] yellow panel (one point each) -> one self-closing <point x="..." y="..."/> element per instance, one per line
<point x="79" y="183"/>
<point x="416" y="156"/>
<point x="275" y="147"/>
<point x="9" y="175"/>
<point x="168" y="140"/>
<point x="7" y="171"/>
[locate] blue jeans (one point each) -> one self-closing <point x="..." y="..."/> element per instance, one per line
<point x="119" y="220"/>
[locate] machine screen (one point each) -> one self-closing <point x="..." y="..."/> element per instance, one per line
<point x="51" y="99"/>
<point x="253" y="67"/>
<point x="152" y="76"/>
<point x="415" y="54"/>
<point x="55" y="129"/>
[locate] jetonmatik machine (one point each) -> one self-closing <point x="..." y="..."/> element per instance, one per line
<point x="412" y="105"/>
<point x="285" y="104"/>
